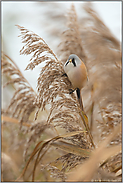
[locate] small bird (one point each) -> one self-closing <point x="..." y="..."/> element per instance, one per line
<point x="76" y="72"/>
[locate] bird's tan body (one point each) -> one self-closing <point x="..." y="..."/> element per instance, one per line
<point x="76" y="71"/>
<point x="77" y="76"/>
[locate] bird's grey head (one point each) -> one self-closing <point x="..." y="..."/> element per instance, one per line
<point x="73" y="59"/>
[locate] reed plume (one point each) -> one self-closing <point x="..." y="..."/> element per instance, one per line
<point x="21" y="105"/>
<point x="71" y="38"/>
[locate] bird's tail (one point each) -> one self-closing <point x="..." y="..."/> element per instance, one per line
<point x="79" y="98"/>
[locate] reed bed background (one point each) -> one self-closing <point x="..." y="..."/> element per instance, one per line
<point x="45" y="134"/>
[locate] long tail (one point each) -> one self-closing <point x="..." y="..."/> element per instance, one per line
<point x="79" y="97"/>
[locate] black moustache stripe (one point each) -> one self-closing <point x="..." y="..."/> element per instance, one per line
<point x="73" y="61"/>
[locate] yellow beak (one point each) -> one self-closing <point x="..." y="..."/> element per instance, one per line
<point x="70" y="60"/>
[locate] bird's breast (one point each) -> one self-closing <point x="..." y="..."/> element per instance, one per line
<point x="78" y="76"/>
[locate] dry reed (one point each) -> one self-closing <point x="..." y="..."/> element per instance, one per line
<point x="21" y="105"/>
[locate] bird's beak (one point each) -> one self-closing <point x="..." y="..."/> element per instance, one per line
<point x="70" y="60"/>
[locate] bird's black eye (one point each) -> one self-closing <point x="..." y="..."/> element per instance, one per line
<point x="73" y="61"/>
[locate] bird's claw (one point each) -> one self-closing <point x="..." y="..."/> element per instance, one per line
<point x="64" y="74"/>
<point x="71" y="91"/>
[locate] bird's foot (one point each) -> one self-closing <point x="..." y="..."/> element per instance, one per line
<point x="71" y="91"/>
<point x="64" y="74"/>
